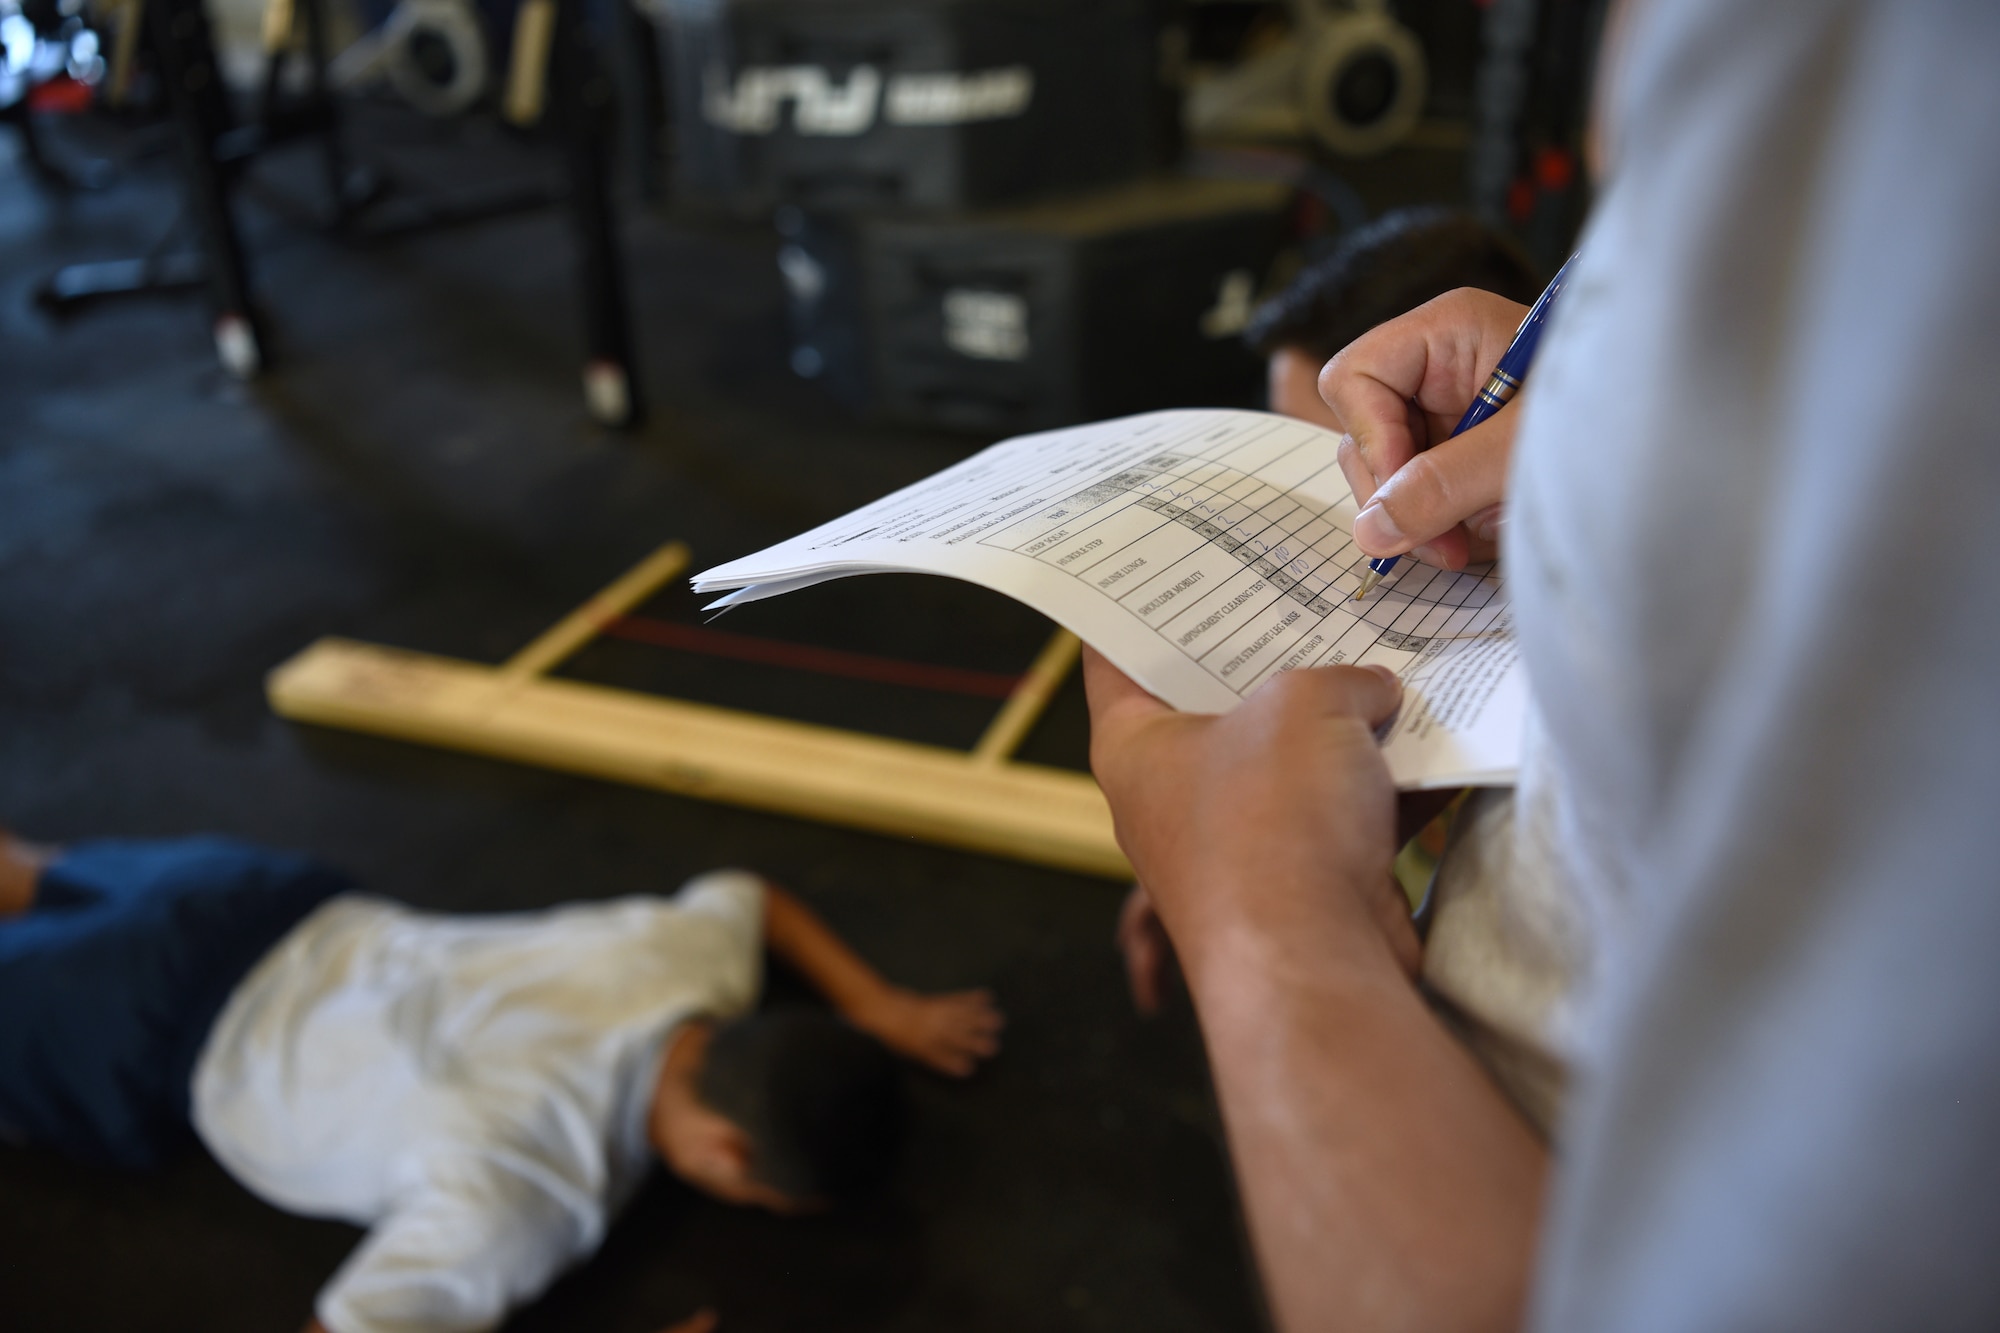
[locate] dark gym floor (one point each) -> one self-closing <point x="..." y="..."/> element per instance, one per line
<point x="417" y="471"/>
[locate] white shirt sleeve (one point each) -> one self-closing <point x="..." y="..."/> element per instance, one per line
<point x="483" y="1233"/>
<point x="1750" y="542"/>
<point x="733" y="897"/>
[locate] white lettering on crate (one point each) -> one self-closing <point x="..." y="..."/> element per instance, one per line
<point x="986" y="325"/>
<point x="824" y="105"/>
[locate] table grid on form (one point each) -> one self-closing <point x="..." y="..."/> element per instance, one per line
<point x="1208" y="542"/>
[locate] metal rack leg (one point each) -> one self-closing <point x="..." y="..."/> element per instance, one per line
<point x="582" y="98"/>
<point x="340" y="188"/>
<point x="193" y="86"/>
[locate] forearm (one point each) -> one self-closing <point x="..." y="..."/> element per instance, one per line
<point x="795" y="934"/>
<point x="1388" y="1184"/>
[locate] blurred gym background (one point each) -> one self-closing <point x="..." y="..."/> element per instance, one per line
<point x="418" y="320"/>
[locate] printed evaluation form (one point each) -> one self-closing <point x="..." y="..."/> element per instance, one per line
<point x="1202" y="551"/>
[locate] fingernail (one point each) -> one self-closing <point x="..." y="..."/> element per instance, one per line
<point x="1385" y="673"/>
<point x="1375" y="531"/>
<point x="1485" y="525"/>
<point x="1427" y="554"/>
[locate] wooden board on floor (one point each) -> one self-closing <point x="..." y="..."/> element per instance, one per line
<point x="981" y="800"/>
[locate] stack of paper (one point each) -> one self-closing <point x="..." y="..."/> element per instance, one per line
<point x="1203" y="552"/>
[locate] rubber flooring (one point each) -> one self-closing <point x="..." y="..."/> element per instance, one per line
<point x="417" y="470"/>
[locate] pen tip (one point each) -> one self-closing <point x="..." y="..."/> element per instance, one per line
<point x="1368" y="580"/>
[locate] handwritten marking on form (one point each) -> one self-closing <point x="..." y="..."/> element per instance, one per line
<point x="1203" y="552"/>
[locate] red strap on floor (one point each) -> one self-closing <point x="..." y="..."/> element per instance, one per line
<point x="804" y="657"/>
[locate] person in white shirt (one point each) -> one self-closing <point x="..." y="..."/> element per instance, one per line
<point x="484" y="1093"/>
<point x="1748" y="486"/>
<point x="1493" y="958"/>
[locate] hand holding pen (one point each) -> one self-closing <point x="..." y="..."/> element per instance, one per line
<point x="1396" y="389"/>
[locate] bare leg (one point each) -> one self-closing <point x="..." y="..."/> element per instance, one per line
<point x="21" y="864"/>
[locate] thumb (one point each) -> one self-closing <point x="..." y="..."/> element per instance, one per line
<point x="1439" y="489"/>
<point x="1370" y="693"/>
<point x="1116" y="701"/>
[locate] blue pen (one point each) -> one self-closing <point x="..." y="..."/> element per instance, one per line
<point x="1502" y="385"/>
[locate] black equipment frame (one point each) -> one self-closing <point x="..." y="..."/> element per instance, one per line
<point x="213" y="151"/>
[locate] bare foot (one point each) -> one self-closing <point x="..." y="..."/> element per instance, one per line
<point x="21" y="865"/>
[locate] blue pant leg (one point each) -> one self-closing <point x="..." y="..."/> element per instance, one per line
<point x="109" y="986"/>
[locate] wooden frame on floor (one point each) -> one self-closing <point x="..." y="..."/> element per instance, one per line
<point x="982" y="800"/>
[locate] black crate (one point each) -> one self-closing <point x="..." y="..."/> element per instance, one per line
<point x="1119" y="301"/>
<point x="911" y="104"/>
